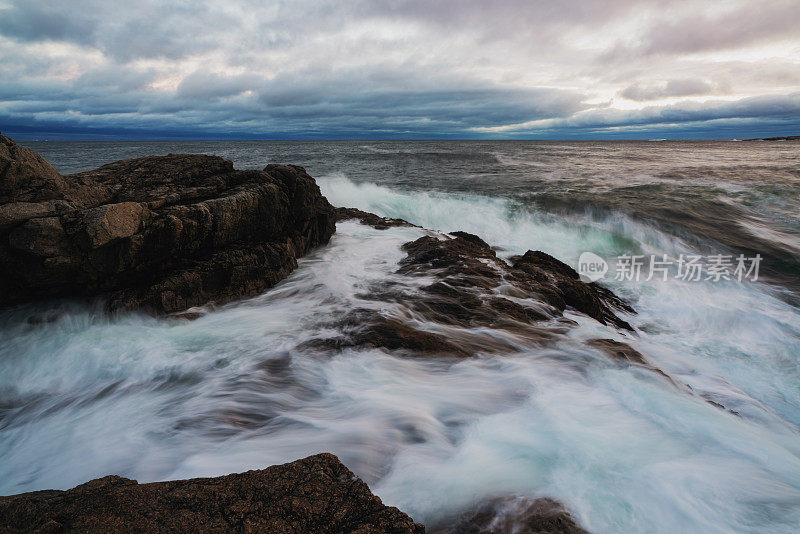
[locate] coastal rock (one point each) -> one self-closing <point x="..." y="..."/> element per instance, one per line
<point x="366" y="328"/>
<point x="370" y="219"/>
<point x="520" y="515"/>
<point x="627" y="355"/>
<point x="469" y="272"/>
<point x="315" y="494"/>
<point x="26" y="176"/>
<point x="473" y="290"/>
<point x="619" y="351"/>
<point x="161" y="233"/>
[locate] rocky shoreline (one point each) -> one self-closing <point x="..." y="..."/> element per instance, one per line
<point x="314" y="494"/>
<point x="168" y="233"/>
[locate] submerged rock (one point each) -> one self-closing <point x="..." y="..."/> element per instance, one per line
<point x="162" y="233"/>
<point x="619" y="351"/>
<point x="315" y="494"/>
<point x="520" y="515"/>
<point x="627" y="355"/>
<point x="366" y="328"/>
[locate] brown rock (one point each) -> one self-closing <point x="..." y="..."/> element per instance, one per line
<point x="469" y="268"/>
<point x="564" y="287"/>
<point x="315" y="494"/>
<point x="162" y="233"/>
<point x="520" y="515"/>
<point x="367" y="328"/>
<point x="466" y="297"/>
<point x="15" y="213"/>
<point x="619" y="351"/>
<point x="111" y="222"/>
<point x="25" y="176"/>
<point x="370" y="219"/>
<point x="43" y="237"/>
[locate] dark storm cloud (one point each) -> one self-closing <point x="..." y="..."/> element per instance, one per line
<point x="338" y="106"/>
<point x="409" y="68"/>
<point x="119" y="79"/>
<point x="35" y="21"/>
<point x="141" y="29"/>
<point x="746" y="108"/>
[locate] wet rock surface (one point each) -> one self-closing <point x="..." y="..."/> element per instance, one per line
<point x="520" y="515"/>
<point x="367" y="328"/>
<point x="619" y="351"/>
<point x="370" y="219"/>
<point x="465" y="263"/>
<point x="161" y="233"/>
<point x="627" y="355"/>
<point x="472" y="288"/>
<point x="315" y="494"/>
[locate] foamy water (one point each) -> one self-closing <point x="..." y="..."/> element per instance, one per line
<point x="86" y="395"/>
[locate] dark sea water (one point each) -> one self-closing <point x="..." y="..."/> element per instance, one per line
<point x="742" y="195"/>
<point x="625" y="450"/>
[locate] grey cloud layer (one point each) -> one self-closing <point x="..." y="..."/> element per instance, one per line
<point x="672" y="88"/>
<point x="782" y="107"/>
<point x="405" y="68"/>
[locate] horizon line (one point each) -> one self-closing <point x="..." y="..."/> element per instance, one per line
<point x="24" y="137"/>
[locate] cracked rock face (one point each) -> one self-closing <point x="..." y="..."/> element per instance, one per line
<point x="315" y="494"/>
<point x="160" y="233"/>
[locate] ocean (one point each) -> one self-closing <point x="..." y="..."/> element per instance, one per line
<point x="86" y="395"/>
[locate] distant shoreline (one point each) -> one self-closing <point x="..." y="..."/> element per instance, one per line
<point x="784" y="138"/>
<point x="220" y="140"/>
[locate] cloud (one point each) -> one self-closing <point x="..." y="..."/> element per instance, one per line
<point x="737" y="28"/>
<point x="695" y="32"/>
<point x="33" y="21"/>
<point x="124" y="31"/>
<point x="762" y="107"/>
<point x="204" y="85"/>
<point x="251" y="104"/>
<point x="407" y="68"/>
<point x="672" y="88"/>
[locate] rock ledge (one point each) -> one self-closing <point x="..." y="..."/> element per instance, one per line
<point x="315" y="494"/>
<point x="162" y="233"/>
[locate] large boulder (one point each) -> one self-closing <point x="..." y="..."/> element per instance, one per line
<point x="161" y="233"/>
<point x="315" y="494"/>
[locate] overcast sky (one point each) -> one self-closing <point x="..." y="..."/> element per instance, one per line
<point x="399" y="69"/>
